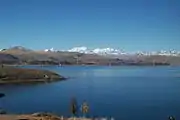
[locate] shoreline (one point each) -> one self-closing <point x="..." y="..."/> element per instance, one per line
<point x="28" y="81"/>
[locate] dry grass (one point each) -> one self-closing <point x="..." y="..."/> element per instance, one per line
<point x="30" y="117"/>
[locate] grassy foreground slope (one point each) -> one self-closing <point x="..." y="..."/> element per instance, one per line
<point x="29" y="117"/>
<point x="38" y="116"/>
<point x="22" y="75"/>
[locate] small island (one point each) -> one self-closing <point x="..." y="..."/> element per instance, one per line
<point x="15" y="75"/>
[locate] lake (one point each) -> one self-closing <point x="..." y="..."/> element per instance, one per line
<point x="126" y="93"/>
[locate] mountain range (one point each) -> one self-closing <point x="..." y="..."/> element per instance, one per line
<point x="117" y="52"/>
<point x="85" y="56"/>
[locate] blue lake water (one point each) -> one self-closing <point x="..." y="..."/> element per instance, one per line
<point x="126" y="93"/>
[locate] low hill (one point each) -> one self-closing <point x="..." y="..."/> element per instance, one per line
<point x="8" y="59"/>
<point x="17" y="50"/>
<point x="172" y="60"/>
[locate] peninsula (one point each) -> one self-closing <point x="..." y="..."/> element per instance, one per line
<point x="14" y="75"/>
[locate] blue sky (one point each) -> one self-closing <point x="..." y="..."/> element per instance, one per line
<point x="126" y="24"/>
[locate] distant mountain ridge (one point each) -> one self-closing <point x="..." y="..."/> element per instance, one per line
<point x="17" y="49"/>
<point x="116" y="52"/>
<point x="84" y="56"/>
<point x="99" y="51"/>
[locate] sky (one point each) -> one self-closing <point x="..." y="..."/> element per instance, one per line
<point x="131" y="25"/>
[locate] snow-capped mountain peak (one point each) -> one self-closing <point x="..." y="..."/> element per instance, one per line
<point x="50" y="50"/>
<point x="101" y="51"/>
<point x="79" y="49"/>
<point x="112" y="51"/>
<point x="107" y="51"/>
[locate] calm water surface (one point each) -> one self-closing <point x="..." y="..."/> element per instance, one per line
<point x="126" y="93"/>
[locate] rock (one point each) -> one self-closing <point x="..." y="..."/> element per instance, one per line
<point x="2" y="112"/>
<point x="171" y="118"/>
<point x="38" y="114"/>
<point x="2" y="95"/>
<point x="42" y="114"/>
<point x="48" y="116"/>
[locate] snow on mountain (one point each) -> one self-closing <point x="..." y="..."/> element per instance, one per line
<point x="105" y="51"/>
<point x="161" y="53"/>
<point x="100" y="51"/>
<point x="111" y="51"/>
<point x="50" y="50"/>
<point x="79" y="49"/>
